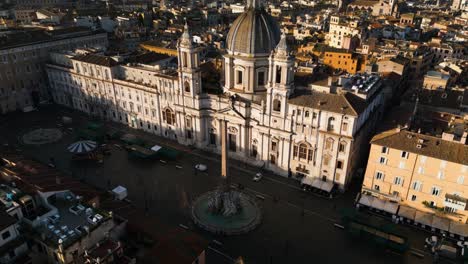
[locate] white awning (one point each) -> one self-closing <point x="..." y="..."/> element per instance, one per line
<point x="366" y="200"/>
<point x="458" y="228"/>
<point x="423" y="218"/>
<point x="407" y="212"/>
<point x="390" y="207"/>
<point x="440" y="223"/>
<point x="317" y="183"/>
<point x="156" y="148"/>
<point x="307" y="180"/>
<point x="327" y="186"/>
<point x="378" y="204"/>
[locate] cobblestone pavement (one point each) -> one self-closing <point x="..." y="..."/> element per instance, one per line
<point x="297" y="227"/>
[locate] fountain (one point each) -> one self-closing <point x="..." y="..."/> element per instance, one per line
<point x="42" y="136"/>
<point x="226" y="210"/>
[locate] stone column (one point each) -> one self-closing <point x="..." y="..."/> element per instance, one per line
<point x="224" y="150"/>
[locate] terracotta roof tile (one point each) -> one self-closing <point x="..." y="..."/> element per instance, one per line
<point x="346" y="103"/>
<point x="430" y="146"/>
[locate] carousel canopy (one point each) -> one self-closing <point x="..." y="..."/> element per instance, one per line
<point x="81" y="147"/>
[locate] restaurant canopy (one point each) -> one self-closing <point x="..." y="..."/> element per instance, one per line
<point x="440" y="223"/>
<point x="423" y="218"/>
<point x="82" y="147"/>
<point x="459" y="228"/>
<point x="322" y="185"/>
<point x="407" y="212"/>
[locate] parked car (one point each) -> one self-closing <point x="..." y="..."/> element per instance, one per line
<point x="257" y="177"/>
<point x="200" y="167"/>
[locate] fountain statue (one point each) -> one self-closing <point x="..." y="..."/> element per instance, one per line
<point x="226" y="210"/>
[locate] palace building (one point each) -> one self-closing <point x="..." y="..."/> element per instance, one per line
<point x="317" y="132"/>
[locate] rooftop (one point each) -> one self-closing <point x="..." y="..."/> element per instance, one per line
<point x="6" y="220"/>
<point x="423" y="145"/>
<point x="20" y="38"/>
<point x="346" y="102"/>
<point x="96" y="59"/>
<point x="36" y="176"/>
<point x="70" y="222"/>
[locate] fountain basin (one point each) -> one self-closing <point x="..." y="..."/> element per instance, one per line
<point x="245" y="221"/>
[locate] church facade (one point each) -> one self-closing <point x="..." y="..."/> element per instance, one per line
<point x="312" y="134"/>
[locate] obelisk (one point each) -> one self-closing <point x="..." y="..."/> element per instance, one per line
<point x="224" y="151"/>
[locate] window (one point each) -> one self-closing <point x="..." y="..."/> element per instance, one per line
<point x="401" y="165"/>
<point x="398" y="181"/>
<point x="339" y="164"/>
<point x="421" y="170"/>
<point x="384" y="150"/>
<point x="460" y="179"/>
<point x="309" y="155"/>
<point x="303" y="151"/>
<point x="379" y="175"/>
<point x="413" y="197"/>
<point x="331" y="124"/>
<point x="342" y="146"/>
<point x="295" y="151"/>
<point x="344" y="127"/>
<point x="306" y="114"/>
<point x="274" y="146"/>
<point x="435" y="191"/>
<point x="404" y="154"/>
<point x="278" y="74"/>
<point x="440" y="175"/>
<point x="186" y="87"/>
<point x="6" y="235"/>
<point x="239" y="77"/>
<point x="169" y="116"/>
<point x="383" y="160"/>
<point x="417" y="185"/>
<point x="423" y="159"/>
<point x="261" y="78"/>
<point x="377" y="187"/>
<point x="276" y="105"/>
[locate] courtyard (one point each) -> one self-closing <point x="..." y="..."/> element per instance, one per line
<point x="297" y="227"/>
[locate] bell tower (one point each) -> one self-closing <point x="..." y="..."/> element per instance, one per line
<point x="281" y="77"/>
<point x="189" y="65"/>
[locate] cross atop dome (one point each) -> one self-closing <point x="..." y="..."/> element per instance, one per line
<point x="186" y="38"/>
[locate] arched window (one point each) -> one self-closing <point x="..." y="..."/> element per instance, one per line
<point x="306" y="114"/>
<point x="187" y="87"/>
<point x="331" y="124"/>
<point x="329" y="143"/>
<point x="278" y="74"/>
<point x="276" y="105"/>
<point x="342" y="146"/>
<point x="169" y="116"/>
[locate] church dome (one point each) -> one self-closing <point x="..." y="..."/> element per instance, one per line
<point x="253" y="32"/>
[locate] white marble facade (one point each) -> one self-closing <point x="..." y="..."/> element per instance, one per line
<point x="268" y="122"/>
